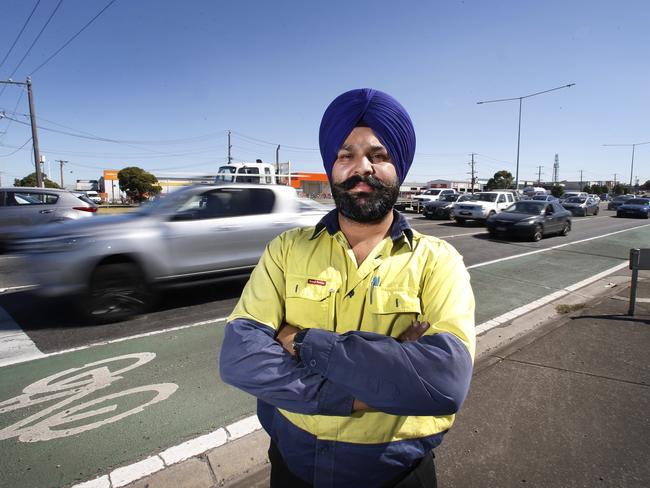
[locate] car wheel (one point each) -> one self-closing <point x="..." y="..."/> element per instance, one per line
<point x="460" y="221"/>
<point x="584" y="213"/>
<point x="596" y="211"/>
<point x="116" y="292"/>
<point x="566" y="228"/>
<point x="538" y="233"/>
<point x="647" y="215"/>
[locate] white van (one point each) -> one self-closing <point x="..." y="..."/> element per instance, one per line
<point x="93" y="196"/>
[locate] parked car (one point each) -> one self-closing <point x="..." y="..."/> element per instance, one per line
<point x="581" y="206"/>
<point x="433" y="194"/>
<point x="570" y="194"/>
<point x="532" y="219"/>
<point x="94" y="196"/>
<point x="544" y="198"/>
<point x="635" y="207"/>
<point x="617" y="201"/>
<point x="595" y="197"/>
<point x="25" y="206"/>
<point x="198" y="234"/>
<point x="442" y="208"/>
<point x="486" y="204"/>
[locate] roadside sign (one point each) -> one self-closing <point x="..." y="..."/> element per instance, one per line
<point x="110" y="174"/>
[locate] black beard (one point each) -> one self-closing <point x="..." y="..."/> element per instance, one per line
<point x="361" y="206"/>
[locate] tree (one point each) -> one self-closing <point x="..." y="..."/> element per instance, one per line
<point x="646" y="185"/>
<point x="588" y="189"/>
<point x="138" y="184"/>
<point x="619" y="189"/>
<point x="557" y="191"/>
<point x="502" y="180"/>
<point x="30" y="180"/>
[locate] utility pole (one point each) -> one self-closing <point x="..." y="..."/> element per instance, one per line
<point x="277" y="159"/>
<point x="32" y="117"/>
<point x="229" y="148"/>
<point x="539" y="175"/>
<point x="556" y="169"/>
<point x="473" y="173"/>
<point x="580" y="180"/>
<point x="615" y="179"/>
<point x="61" y="163"/>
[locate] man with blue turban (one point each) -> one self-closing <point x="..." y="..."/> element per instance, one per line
<point x="356" y="335"/>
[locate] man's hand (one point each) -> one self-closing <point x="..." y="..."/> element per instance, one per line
<point x="414" y="332"/>
<point x="285" y="337"/>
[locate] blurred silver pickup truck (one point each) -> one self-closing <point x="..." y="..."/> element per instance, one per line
<point x="114" y="265"/>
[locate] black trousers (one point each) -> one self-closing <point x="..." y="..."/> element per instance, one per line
<point x="422" y="476"/>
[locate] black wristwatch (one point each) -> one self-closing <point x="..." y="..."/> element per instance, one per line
<point x="298" y="339"/>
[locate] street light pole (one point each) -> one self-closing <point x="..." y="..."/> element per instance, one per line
<point x="32" y="118"/>
<point x="519" y="127"/>
<point x="632" y="163"/>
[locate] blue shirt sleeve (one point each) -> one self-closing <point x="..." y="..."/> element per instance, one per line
<point x="430" y="376"/>
<point x="252" y="360"/>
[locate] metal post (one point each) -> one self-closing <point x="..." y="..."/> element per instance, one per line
<point x="32" y="117"/>
<point x="518" y="141"/>
<point x="634" y="266"/>
<point x="632" y="167"/>
<point x="277" y="159"/>
<point x="229" y="147"/>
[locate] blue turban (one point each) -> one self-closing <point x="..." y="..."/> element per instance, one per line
<point x="382" y="113"/>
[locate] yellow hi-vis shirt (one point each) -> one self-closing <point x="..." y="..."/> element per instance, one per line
<point x="309" y="278"/>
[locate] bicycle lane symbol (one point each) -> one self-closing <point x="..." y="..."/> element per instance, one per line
<point x="69" y="387"/>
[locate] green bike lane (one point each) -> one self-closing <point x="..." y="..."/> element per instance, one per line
<point x="72" y="417"/>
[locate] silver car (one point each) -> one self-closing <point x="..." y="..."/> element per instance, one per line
<point x="25" y="206"/>
<point x="194" y="235"/>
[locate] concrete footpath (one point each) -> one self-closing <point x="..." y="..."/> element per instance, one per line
<point x="560" y="398"/>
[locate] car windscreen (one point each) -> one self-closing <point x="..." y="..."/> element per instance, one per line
<point x="529" y="207"/>
<point x="540" y="197"/>
<point x="432" y="192"/>
<point x="487" y="197"/>
<point x="449" y="198"/>
<point x="638" y="201"/>
<point x="576" y="200"/>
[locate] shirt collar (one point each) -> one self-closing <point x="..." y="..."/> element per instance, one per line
<point x="399" y="228"/>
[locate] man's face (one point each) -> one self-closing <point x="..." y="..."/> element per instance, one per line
<point x="364" y="180"/>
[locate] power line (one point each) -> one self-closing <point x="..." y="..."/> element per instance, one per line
<point x="19" y="34"/>
<point x="37" y="38"/>
<point x="73" y="37"/>
<point x="12" y="153"/>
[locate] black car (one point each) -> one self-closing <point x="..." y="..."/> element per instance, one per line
<point x="442" y="208"/>
<point x="531" y="219"/>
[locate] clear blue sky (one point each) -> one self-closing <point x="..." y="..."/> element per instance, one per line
<point x="167" y="79"/>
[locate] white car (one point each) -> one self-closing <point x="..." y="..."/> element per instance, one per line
<point x="93" y="196"/>
<point x="433" y="194"/>
<point x="486" y="204"/>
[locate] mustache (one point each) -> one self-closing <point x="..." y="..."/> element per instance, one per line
<point x="353" y="181"/>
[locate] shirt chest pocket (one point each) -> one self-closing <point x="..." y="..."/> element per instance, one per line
<point x="309" y="302"/>
<point x="392" y="311"/>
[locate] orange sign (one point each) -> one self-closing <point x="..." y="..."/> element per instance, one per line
<point x="110" y="174"/>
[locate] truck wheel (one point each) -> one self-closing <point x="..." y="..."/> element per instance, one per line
<point x="538" y="233"/>
<point x="116" y="292"/>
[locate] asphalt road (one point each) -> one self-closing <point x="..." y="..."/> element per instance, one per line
<point x="54" y="325"/>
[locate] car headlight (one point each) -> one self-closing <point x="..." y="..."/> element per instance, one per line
<point x="528" y="221"/>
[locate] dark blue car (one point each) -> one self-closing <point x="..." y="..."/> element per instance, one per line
<point x="635" y="207"/>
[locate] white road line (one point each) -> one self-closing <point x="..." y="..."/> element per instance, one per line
<point x="21" y="359"/>
<point x="537" y="251"/>
<point x="15" y="345"/>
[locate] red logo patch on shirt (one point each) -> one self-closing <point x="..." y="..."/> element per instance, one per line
<point x="316" y="282"/>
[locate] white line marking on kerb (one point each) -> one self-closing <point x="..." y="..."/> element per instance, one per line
<point x="529" y="307"/>
<point x="128" y="474"/>
<point x="537" y="251"/>
<point x="25" y="358"/>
